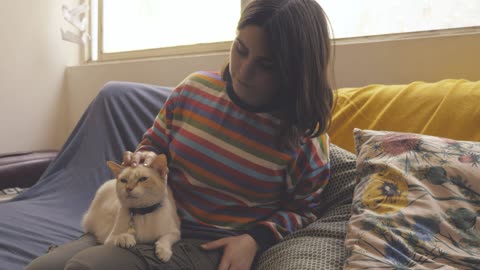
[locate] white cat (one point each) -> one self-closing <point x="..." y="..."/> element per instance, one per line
<point x="137" y="206"/>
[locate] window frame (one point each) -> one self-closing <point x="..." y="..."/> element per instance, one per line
<point x="224" y="47"/>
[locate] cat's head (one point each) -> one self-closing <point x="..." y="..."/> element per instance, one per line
<point x="141" y="186"/>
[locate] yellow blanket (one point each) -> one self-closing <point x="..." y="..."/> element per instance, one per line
<point x="448" y="108"/>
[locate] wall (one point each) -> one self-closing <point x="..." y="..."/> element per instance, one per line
<point x="33" y="60"/>
<point x="411" y="59"/>
<point x="356" y="64"/>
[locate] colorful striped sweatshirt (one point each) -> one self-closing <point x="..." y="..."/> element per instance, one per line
<point x="225" y="169"/>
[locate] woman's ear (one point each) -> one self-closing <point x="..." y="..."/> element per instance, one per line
<point x="160" y="164"/>
<point x="115" y="168"/>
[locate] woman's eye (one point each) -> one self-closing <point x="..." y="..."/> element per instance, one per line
<point x="141" y="179"/>
<point x="240" y="51"/>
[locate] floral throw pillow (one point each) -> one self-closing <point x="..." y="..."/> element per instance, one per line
<point x="416" y="204"/>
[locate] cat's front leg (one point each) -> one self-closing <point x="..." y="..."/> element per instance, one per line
<point x="124" y="240"/>
<point x="163" y="246"/>
<point x="120" y="235"/>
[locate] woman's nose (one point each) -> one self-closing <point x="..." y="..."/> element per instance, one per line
<point x="247" y="70"/>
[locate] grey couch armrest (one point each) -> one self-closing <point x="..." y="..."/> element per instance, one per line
<point x="23" y="169"/>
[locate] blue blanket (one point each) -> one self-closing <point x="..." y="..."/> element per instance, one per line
<point x="49" y="213"/>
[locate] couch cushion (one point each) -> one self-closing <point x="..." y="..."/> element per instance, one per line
<point x="416" y="203"/>
<point x="449" y="108"/>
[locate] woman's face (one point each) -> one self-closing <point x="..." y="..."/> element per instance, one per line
<point x="251" y="68"/>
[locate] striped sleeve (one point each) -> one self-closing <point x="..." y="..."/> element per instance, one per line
<point x="308" y="176"/>
<point x="158" y="136"/>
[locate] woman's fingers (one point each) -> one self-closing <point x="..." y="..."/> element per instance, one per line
<point x="127" y="158"/>
<point x="215" y="244"/>
<point x="224" y="264"/>
<point x="220" y="243"/>
<point x="134" y="159"/>
<point x="148" y="158"/>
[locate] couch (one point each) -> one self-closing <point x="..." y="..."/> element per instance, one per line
<point x="48" y="213"/>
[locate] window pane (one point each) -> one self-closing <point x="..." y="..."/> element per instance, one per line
<point x="354" y="18"/>
<point x="144" y="24"/>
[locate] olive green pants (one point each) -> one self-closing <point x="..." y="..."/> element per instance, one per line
<point x="84" y="253"/>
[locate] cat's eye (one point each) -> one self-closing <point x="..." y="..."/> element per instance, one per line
<point x="123" y="180"/>
<point x="141" y="179"/>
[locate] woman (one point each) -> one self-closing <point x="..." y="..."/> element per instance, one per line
<point x="246" y="166"/>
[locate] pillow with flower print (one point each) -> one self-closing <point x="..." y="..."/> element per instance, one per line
<point x="416" y="204"/>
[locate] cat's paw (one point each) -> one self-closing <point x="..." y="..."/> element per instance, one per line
<point x="124" y="240"/>
<point x="163" y="251"/>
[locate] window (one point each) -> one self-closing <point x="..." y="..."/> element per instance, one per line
<point x="130" y="29"/>
<point x="136" y="26"/>
<point x="354" y="18"/>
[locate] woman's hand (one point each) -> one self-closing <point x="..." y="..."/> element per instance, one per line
<point x="134" y="159"/>
<point x="238" y="251"/>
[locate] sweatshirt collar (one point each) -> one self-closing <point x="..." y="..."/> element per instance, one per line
<point x="267" y="108"/>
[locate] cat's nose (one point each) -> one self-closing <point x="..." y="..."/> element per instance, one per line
<point x="129" y="189"/>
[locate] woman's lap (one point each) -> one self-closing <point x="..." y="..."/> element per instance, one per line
<point x="57" y="258"/>
<point x="84" y="253"/>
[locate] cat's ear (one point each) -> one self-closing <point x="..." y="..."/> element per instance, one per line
<point x="160" y="164"/>
<point x="115" y="168"/>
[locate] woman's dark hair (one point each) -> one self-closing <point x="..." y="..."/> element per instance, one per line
<point x="299" y="42"/>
